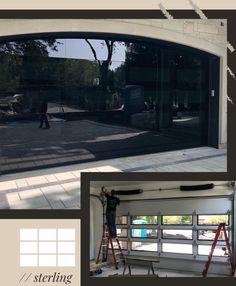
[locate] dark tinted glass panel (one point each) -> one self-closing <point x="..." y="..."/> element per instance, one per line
<point x="65" y="100"/>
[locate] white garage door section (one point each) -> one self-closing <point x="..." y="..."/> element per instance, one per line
<point x="178" y="230"/>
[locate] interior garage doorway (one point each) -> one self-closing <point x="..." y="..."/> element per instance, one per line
<point x="164" y="223"/>
<point x="102" y="96"/>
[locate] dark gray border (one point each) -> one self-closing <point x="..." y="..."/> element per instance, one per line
<point x="87" y="177"/>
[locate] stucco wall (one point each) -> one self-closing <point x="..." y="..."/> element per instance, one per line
<point x="206" y="35"/>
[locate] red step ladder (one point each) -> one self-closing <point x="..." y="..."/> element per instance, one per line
<point x="107" y="240"/>
<point x="207" y="265"/>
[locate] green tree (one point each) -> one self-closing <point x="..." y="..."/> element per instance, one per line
<point x="106" y="82"/>
<point x="78" y="82"/>
<point x="25" y="66"/>
<point x="9" y="75"/>
<point x="177" y="220"/>
<point x="119" y="76"/>
<point x="213" y="219"/>
<point x="142" y="68"/>
<point x="148" y="219"/>
<point x="103" y="65"/>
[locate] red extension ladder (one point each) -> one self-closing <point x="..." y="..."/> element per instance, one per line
<point x="106" y="240"/>
<point x="219" y="229"/>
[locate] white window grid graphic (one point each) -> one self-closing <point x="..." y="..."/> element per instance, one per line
<point x="47" y="247"/>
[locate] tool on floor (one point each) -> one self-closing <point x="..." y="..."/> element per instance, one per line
<point x="96" y="269"/>
<point x="220" y="228"/>
<point x="107" y="240"/>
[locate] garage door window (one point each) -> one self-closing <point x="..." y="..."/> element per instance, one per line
<point x="144" y="246"/>
<point x="213" y="219"/>
<point x="177" y="234"/>
<point x="177" y="220"/>
<point x="169" y="235"/>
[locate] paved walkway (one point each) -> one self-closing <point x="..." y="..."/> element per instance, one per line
<point x="59" y="188"/>
<point x="26" y="147"/>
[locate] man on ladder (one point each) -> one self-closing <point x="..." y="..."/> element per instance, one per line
<point x="112" y="202"/>
<point x="109" y="229"/>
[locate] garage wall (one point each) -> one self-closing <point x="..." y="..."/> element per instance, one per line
<point x="97" y="226"/>
<point x="207" y="35"/>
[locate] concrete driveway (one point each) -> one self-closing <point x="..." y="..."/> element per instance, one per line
<point x="24" y="146"/>
<point x="59" y="188"/>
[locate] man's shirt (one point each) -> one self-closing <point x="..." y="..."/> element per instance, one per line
<point x="112" y="202"/>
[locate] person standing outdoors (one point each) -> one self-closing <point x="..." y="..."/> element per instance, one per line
<point x="43" y="115"/>
<point x="112" y="202"/>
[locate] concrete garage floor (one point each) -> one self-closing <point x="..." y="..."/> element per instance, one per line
<point x="59" y="188"/>
<point x="162" y="273"/>
<point x="24" y="146"/>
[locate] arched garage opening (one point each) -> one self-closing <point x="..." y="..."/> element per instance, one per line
<point x="76" y="97"/>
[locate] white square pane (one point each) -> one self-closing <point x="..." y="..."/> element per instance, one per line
<point x="66" y="247"/>
<point x="28" y="234"/>
<point x="66" y="260"/>
<point x="47" y="247"/>
<point x="47" y="260"/>
<point x="47" y="234"/>
<point x="28" y="260"/>
<point x="28" y="247"/>
<point x="66" y="234"/>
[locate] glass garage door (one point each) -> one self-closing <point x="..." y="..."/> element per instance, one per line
<point x="74" y="99"/>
